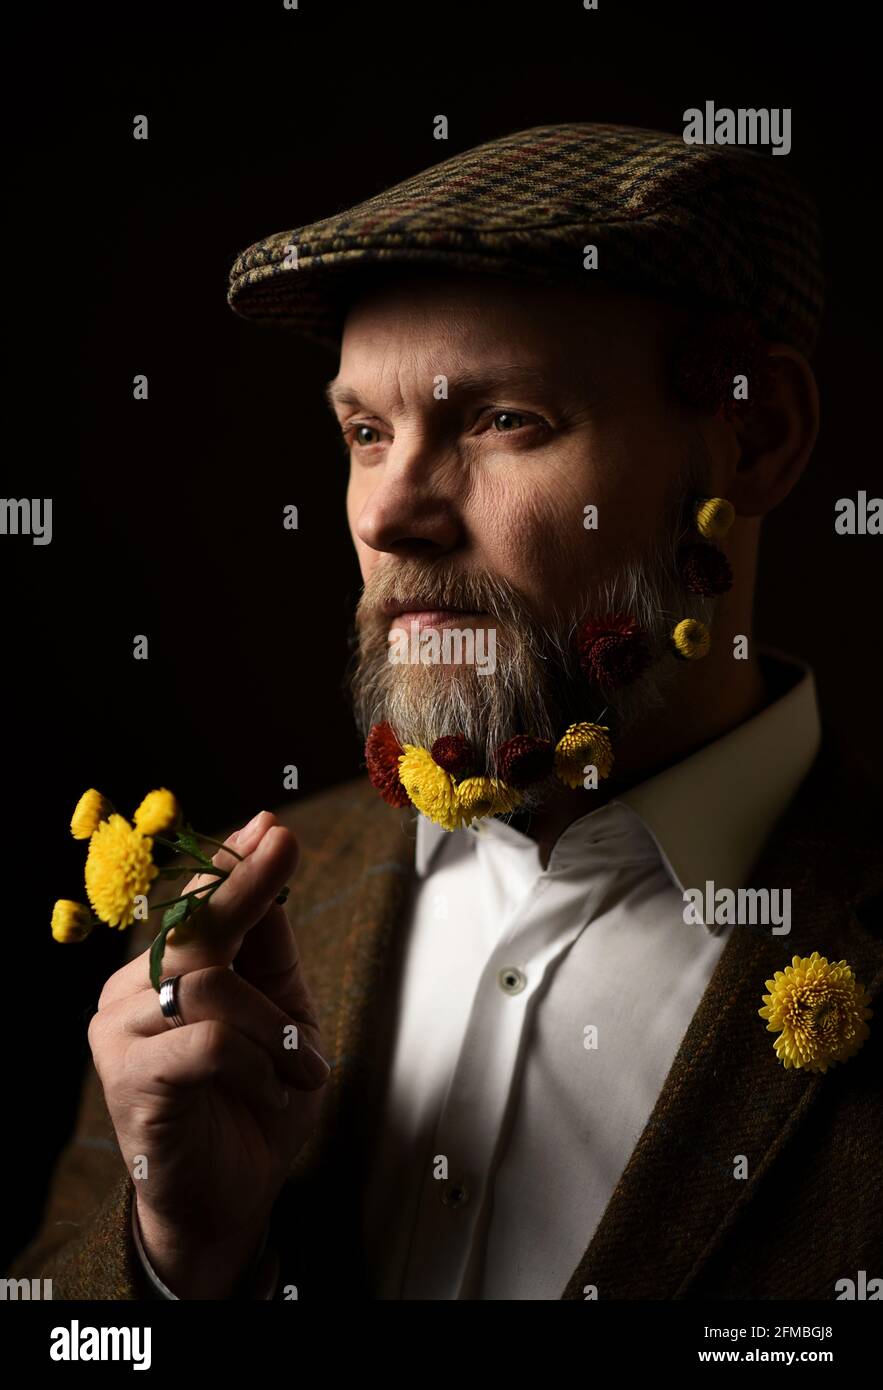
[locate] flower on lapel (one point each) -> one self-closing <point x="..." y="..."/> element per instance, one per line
<point x="819" y="1011"/>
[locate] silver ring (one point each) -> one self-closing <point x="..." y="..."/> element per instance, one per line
<point x="168" y="1001"/>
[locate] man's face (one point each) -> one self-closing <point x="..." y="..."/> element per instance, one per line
<point x="483" y="418"/>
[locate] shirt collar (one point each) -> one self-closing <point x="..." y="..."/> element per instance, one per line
<point x="710" y="814"/>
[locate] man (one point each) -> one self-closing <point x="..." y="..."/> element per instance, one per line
<point x="567" y="360"/>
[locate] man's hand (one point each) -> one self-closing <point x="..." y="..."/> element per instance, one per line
<point x="216" y="1109"/>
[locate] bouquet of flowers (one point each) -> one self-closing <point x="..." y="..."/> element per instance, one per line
<point x="120" y="870"/>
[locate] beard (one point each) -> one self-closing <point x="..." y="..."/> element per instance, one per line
<point x="537" y="686"/>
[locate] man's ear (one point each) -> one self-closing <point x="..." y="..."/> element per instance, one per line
<point x="776" y="434"/>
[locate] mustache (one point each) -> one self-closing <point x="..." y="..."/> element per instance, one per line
<point x="412" y="584"/>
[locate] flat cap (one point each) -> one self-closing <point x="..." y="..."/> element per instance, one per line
<point x="712" y="223"/>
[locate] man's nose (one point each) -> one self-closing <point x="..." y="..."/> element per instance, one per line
<point x="413" y="507"/>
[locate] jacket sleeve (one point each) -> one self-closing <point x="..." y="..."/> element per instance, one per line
<point x="84" y="1242"/>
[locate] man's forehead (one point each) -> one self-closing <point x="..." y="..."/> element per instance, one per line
<point x="465" y="380"/>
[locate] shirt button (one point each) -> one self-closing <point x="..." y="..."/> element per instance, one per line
<point x="455" y="1194"/>
<point x="511" y="979"/>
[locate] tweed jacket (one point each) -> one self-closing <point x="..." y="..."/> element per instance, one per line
<point x="678" y="1225"/>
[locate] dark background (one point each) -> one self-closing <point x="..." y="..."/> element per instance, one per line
<point x="167" y="514"/>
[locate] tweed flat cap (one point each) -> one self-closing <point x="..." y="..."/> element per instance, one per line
<point x="709" y="223"/>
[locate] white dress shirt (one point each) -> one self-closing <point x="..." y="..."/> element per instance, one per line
<point x="540" y="1011"/>
<point x="508" y="965"/>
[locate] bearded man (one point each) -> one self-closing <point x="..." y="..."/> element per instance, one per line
<point x="573" y="378"/>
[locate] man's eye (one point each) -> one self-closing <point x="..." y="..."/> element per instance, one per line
<point x="505" y="420"/>
<point x="356" y="434"/>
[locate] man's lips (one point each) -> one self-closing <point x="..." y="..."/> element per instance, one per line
<point x="431" y="617"/>
<point x="419" y="608"/>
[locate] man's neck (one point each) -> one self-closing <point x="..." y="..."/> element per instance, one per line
<point x="713" y="697"/>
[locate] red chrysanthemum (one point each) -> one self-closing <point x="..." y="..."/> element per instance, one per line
<point x="704" y="570"/>
<point x="453" y="753"/>
<point x="382" y="753"/>
<point x="523" y="760"/>
<point x="613" y="651"/>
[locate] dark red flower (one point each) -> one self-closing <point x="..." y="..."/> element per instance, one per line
<point x="382" y="751"/>
<point x="523" y="760"/>
<point x="453" y="753"/>
<point x="613" y="651"/>
<point x="704" y="570"/>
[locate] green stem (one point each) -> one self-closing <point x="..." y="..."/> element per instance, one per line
<point x="175" y="870"/>
<point x="182" y="849"/>
<point x="209" y="841"/>
<point x="207" y="888"/>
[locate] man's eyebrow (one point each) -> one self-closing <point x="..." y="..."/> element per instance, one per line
<point x="336" y="394"/>
<point x="473" y="383"/>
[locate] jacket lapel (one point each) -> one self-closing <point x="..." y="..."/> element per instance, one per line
<point x="727" y="1094"/>
<point x="348" y="897"/>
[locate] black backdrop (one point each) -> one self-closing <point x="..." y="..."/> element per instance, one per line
<point x="167" y="515"/>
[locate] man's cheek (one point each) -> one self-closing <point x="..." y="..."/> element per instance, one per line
<point x="531" y="535"/>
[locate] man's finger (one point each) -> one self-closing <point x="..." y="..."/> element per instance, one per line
<point x="269" y="959"/>
<point x="216" y="993"/>
<point x="174" y="1062"/>
<point x="216" y="933"/>
<point x="234" y="907"/>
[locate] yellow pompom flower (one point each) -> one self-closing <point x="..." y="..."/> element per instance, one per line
<point x="486" y="796"/>
<point x="714" y="517"/>
<point x="581" y="746"/>
<point x="691" y="639"/>
<point x="71" y="921"/>
<point x="119" y="868"/>
<point x="157" y="813"/>
<point x="432" y="790"/>
<point x="89" y="812"/>
<point x="819" y="1011"/>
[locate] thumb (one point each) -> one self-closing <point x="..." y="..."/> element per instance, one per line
<point x="213" y="936"/>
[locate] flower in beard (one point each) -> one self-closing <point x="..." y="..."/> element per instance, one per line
<point x="613" y="651"/>
<point x="382" y="753"/>
<point x="523" y="760"/>
<point x="486" y="796"/>
<point x="704" y="570"/>
<point x="453" y="753"/>
<point x="583" y="745"/>
<point x="432" y="790"/>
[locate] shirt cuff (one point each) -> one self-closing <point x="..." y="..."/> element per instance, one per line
<point x="258" y="1283"/>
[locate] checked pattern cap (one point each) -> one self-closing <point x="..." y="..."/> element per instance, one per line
<point x="718" y="224"/>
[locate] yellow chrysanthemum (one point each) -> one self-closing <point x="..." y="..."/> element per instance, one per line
<point x="819" y="1011"/>
<point x="431" y="789"/>
<point x="71" y="921"/>
<point x="691" y="639"/>
<point x="714" y="517"/>
<point x="119" y="868"/>
<point x="486" y="796"/>
<point x="90" y="811"/>
<point x="157" y="813"/>
<point x="581" y="746"/>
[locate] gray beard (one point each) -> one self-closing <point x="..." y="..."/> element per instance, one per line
<point x="538" y="687"/>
